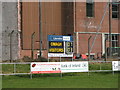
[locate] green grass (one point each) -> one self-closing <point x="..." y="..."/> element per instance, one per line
<point x="98" y="66"/>
<point x="20" y="68"/>
<point x="78" y="80"/>
<point x="69" y="80"/>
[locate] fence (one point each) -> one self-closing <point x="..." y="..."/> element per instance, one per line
<point x="24" y="68"/>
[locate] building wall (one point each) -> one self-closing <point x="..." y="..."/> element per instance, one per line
<point x="66" y="19"/>
<point x="9" y="23"/>
<point x="88" y="26"/>
<point x="57" y="19"/>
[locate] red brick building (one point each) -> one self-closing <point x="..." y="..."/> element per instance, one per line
<point x="80" y="19"/>
<point x="92" y="25"/>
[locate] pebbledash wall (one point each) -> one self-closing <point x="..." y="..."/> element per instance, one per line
<point x="66" y="19"/>
<point x="9" y="25"/>
<point x="0" y="31"/>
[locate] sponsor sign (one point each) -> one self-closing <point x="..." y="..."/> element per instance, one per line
<point x="66" y="38"/>
<point x="59" y="67"/>
<point x="74" y="66"/>
<point x="47" y="67"/>
<point x="116" y="65"/>
<point x="59" y="38"/>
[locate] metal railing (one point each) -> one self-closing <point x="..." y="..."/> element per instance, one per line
<point x="24" y="68"/>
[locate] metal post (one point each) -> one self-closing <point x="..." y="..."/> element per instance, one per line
<point x="31" y="76"/>
<point x="110" y="35"/>
<point x="10" y="34"/>
<point x="14" y="67"/>
<point x="30" y="72"/>
<point x="60" y="72"/>
<point x="89" y="48"/>
<point x="105" y="49"/>
<point x="48" y="59"/>
<point x="88" y="69"/>
<point x="100" y="67"/>
<point x="60" y="59"/>
<point x="113" y="73"/>
<point x="32" y="45"/>
<point x="40" y="27"/>
<point x="72" y="59"/>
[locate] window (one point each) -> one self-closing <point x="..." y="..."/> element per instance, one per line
<point x="89" y="8"/>
<point x="114" y="39"/>
<point x="115" y="44"/>
<point x="115" y="9"/>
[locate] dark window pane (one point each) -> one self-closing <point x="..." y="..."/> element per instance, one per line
<point x="114" y="7"/>
<point x="114" y="14"/>
<point x="89" y="9"/>
<point x="116" y="37"/>
<point x="113" y="43"/>
<point x="115" y="10"/>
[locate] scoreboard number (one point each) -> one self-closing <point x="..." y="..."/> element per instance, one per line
<point x="68" y="47"/>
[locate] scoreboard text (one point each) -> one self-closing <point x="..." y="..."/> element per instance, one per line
<point x="56" y="47"/>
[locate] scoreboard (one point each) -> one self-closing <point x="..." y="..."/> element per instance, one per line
<point x="60" y="46"/>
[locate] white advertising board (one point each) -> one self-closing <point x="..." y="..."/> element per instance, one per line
<point x="116" y="65"/>
<point x="74" y="66"/>
<point x="45" y="67"/>
<point x="58" y="67"/>
<point x="59" y="55"/>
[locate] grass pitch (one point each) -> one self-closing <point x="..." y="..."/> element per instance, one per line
<point x="73" y="80"/>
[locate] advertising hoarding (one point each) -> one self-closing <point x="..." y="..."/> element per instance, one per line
<point x="116" y="65"/>
<point x="46" y="67"/>
<point x="59" y="67"/>
<point x="74" y="66"/>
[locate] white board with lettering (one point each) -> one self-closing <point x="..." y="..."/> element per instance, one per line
<point x="74" y="66"/>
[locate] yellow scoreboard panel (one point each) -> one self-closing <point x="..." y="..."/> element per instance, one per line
<point x="56" y="44"/>
<point x="56" y="50"/>
<point x="56" y="47"/>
